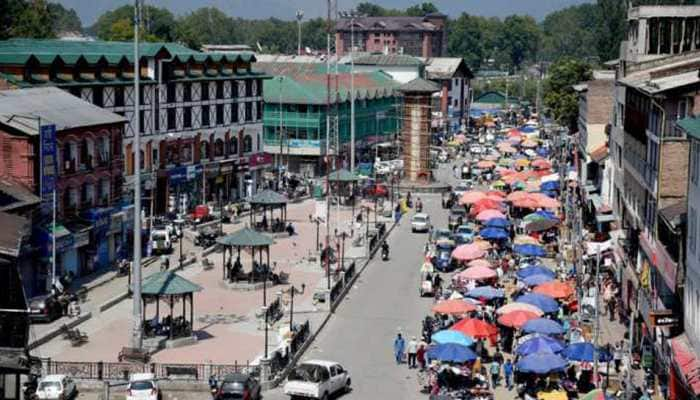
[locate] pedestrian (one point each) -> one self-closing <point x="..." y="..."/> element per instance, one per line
<point x="508" y="374"/>
<point x="420" y="354"/>
<point x="495" y="370"/>
<point x="412" y="349"/>
<point x="399" y="346"/>
<point x="498" y="356"/>
<point x="617" y="356"/>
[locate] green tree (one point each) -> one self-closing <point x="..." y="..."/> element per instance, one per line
<point x="612" y="25"/>
<point x="64" y="20"/>
<point x="313" y="33"/>
<point x="207" y="25"/>
<point x="371" y="10"/>
<point x="158" y="23"/>
<point x="420" y="10"/>
<point x="559" y="95"/>
<point x="33" y="21"/>
<point x="570" y="32"/>
<point x="9" y="11"/>
<point x="518" y="39"/>
<point x="467" y="39"/>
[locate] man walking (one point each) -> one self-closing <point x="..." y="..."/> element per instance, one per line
<point x="508" y="373"/>
<point x="399" y="346"/>
<point x="412" y="351"/>
<point x="495" y="370"/>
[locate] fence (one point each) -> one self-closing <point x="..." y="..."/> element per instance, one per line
<point x="122" y="370"/>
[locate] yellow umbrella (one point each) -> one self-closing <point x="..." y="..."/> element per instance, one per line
<point x="522" y="162"/>
<point x="498" y="184"/>
<point x="553" y="395"/>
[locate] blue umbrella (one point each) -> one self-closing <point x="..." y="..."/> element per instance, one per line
<point x="541" y="363"/>
<point x="583" y="351"/>
<point x="497" y="223"/>
<point x="543" y="302"/>
<point x="537" y="279"/>
<point x="527" y="129"/>
<point x="453" y="337"/>
<point x="543" y="325"/>
<point x="529" y="250"/>
<point x="549" y="185"/>
<point x="541" y="151"/>
<point x="493" y="234"/>
<point x="539" y="344"/>
<point x="534" y="270"/>
<point x="486" y="292"/>
<point x="451" y="352"/>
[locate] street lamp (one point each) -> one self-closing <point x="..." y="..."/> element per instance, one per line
<point x="180" y="223"/>
<point x="300" y="16"/>
<point x="292" y="291"/>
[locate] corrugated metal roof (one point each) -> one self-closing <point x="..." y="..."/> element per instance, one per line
<point x="14" y="230"/>
<point x="659" y="85"/>
<point x="13" y="196"/>
<point x="19" y="109"/>
<point x="400" y="60"/>
<point x="420" y="85"/>
<point x="691" y="126"/>
<point x="444" y="67"/>
<point x="399" y="23"/>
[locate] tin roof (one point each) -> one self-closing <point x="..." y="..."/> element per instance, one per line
<point x="445" y="67"/>
<point x="691" y="126"/>
<point x="399" y="23"/>
<point x="398" y="60"/>
<point x="13" y="196"/>
<point x="168" y="283"/>
<point x="14" y="230"/>
<point x="420" y="85"/>
<point x="659" y="85"/>
<point x="19" y="109"/>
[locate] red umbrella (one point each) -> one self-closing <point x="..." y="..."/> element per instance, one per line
<point x="489" y="214"/>
<point x="517" y="195"/>
<point x="493" y="194"/>
<point x="526" y="202"/>
<point x="514" y="133"/>
<point x="556" y="289"/>
<point x="471" y="197"/>
<point x="485" y="204"/>
<point x="453" y="307"/>
<point x="475" y="328"/>
<point x="545" y="201"/>
<point x="486" y="164"/>
<point x="468" y="252"/>
<point x="516" y="319"/>
<point x="541" y="163"/>
<point x="477" y="273"/>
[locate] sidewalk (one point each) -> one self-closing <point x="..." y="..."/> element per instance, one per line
<point x="225" y="320"/>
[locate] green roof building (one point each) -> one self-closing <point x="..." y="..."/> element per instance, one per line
<point x="296" y="99"/>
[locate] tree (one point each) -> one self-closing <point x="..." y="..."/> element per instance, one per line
<point x="371" y="10"/>
<point x="207" y="25"/>
<point x="420" y="10"/>
<point x="64" y="20"/>
<point x="559" y="95"/>
<point x="612" y="25"/>
<point x="466" y="39"/>
<point x="570" y="32"/>
<point x="158" y="24"/>
<point x="519" y="39"/>
<point x="33" y="21"/>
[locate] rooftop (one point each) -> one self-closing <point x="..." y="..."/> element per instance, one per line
<point x="445" y="67"/>
<point x="400" y="23"/>
<point x="14" y="230"/>
<point x="420" y="85"/>
<point x="14" y="196"/>
<point x="659" y="85"/>
<point x="663" y="11"/>
<point x="691" y="126"/>
<point x="19" y="109"/>
<point x="398" y="60"/>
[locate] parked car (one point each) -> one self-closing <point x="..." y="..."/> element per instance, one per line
<point x="461" y="188"/>
<point x="439" y="234"/>
<point x="456" y="217"/>
<point x="463" y="234"/>
<point x="376" y="189"/>
<point x="45" y="308"/>
<point x="56" y="387"/>
<point x="238" y="386"/>
<point x="420" y="223"/>
<point x="142" y="387"/>
<point x="317" y="379"/>
<point x="161" y="242"/>
<point x="443" y="256"/>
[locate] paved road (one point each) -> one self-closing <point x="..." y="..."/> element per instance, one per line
<point x="385" y="301"/>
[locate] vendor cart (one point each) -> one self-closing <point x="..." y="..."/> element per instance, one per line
<point x="426" y="285"/>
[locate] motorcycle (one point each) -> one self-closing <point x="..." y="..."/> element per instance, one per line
<point x="419" y="206"/>
<point x="385" y="252"/>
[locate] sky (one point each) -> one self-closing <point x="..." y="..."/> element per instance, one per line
<point x="89" y="10"/>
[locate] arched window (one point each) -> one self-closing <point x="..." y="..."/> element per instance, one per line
<point x="87" y="154"/>
<point x="233" y="145"/>
<point x="247" y="144"/>
<point x="218" y="148"/>
<point x="260" y="143"/>
<point x="204" y="150"/>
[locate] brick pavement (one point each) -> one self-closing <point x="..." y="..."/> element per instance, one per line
<point x="237" y="339"/>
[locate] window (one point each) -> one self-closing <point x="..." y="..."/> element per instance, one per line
<point x="88" y="194"/>
<point x="172" y="121"/>
<point x="258" y="87"/>
<point x="103" y="194"/>
<point x="218" y="148"/>
<point x="187" y="91"/>
<point x="103" y="150"/>
<point x="205" y="115"/>
<point x="694" y="162"/>
<point x="156" y="119"/>
<point x="171" y="93"/>
<point x="247" y="144"/>
<point x="205" y="90"/>
<point x="154" y="157"/>
<point x="248" y="111"/>
<point x="219" y="90"/>
<point x="219" y="114"/>
<point x="187" y="117"/>
<point x="260" y="111"/>
<point x="204" y="150"/>
<point x="97" y="96"/>
<point x="119" y="96"/>
<point x="142" y="122"/>
<point x="692" y="227"/>
<point x="248" y="88"/>
<point x="234" y="112"/>
<point x="233" y="145"/>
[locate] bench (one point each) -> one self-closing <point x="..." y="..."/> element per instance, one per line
<point x="181" y="370"/>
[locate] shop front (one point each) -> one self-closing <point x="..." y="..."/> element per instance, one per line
<point x="257" y="165"/>
<point x="106" y="243"/>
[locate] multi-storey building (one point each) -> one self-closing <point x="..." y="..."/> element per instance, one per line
<point x="299" y="92"/>
<point x="417" y="36"/>
<point x="88" y="173"/>
<point x="200" y="114"/>
<point x="454" y="77"/>
<point x="657" y="84"/>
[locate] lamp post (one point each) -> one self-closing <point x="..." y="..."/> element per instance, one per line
<point x="180" y="223"/>
<point x="300" y="16"/>
<point x="279" y="158"/>
<point x="318" y="241"/>
<point x="292" y="291"/>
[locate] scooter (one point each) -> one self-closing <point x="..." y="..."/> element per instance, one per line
<point x="385" y="252"/>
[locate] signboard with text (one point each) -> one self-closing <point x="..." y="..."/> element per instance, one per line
<point x="47" y="139"/>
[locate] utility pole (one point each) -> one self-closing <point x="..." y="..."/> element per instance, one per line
<point x="596" y="334"/>
<point x="137" y="312"/>
<point x="279" y="158"/>
<point x="300" y="16"/>
<point x="352" y="93"/>
<point x="328" y="141"/>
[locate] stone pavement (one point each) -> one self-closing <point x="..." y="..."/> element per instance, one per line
<point x="225" y="322"/>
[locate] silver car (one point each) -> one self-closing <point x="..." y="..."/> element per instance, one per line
<point x="420" y="223"/>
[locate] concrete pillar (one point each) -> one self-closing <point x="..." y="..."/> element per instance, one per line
<point x="426" y="51"/>
<point x="444" y="95"/>
<point x="643" y="36"/>
<point x="265" y="373"/>
<point x="339" y="45"/>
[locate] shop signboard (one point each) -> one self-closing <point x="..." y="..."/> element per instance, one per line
<point x="260" y="159"/>
<point x="212" y="170"/>
<point x="193" y="171"/>
<point x="661" y="260"/>
<point x="177" y="175"/>
<point x="81" y="238"/>
<point x="663" y="318"/>
<point x="49" y="175"/>
<point x="303" y="143"/>
<point x="227" y="167"/>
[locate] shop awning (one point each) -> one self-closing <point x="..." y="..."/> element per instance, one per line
<point x="686" y="359"/>
<point x="14" y="230"/>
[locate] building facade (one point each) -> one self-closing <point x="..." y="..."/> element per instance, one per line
<point x="454" y="77"/>
<point x="200" y="115"/>
<point x="417" y="36"/>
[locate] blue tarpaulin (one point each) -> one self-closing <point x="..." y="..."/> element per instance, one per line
<point x="534" y="270"/>
<point x="539" y="344"/>
<point x="583" y="351"/>
<point x="529" y="250"/>
<point x="493" y="234"/>
<point x="486" y="292"/>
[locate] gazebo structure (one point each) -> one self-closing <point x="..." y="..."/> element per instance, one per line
<point x="343" y="178"/>
<point x="242" y="239"/>
<point x="169" y="286"/>
<point x="268" y="200"/>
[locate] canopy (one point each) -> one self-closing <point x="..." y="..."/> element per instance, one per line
<point x="468" y="252"/>
<point x="512" y="196"/>
<point x="555" y="289"/>
<point x="343" y="175"/>
<point x="526" y="202"/>
<point x="475" y="328"/>
<point x="541" y="363"/>
<point x="493" y="234"/>
<point x="453" y="307"/>
<point x="583" y="351"/>
<point x="541" y="163"/>
<point x="471" y="197"/>
<point x="597" y="394"/>
<point x="489" y="214"/>
<point x="539" y="344"/>
<point x="486" y="292"/>
<point x="480" y="262"/>
<point x="486" y="164"/>
<point x="489" y="203"/>
<point x="455" y="337"/>
<point x="497" y="223"/>
<point x="525" y="239"/>
<point x="516" y="319"/>
<point x="541" y="225"/>
<point x="537" y="279"/>
<point x="544" y="326"/>
<point x="477" y="273"/>
<point x="544" y="303"/>
<point x="168" y="283"/>
<point x="451" y="352"/>
<point x="245" y="237"/>
<point x="529" y="250"/>
<point x="515" y="306"/>
<point x="534" y="270"/>
<point x="268" y="197"/>
<point x="549" y="185"/>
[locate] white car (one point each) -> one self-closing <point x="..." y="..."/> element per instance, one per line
<point x="317" y="379"/>
<point x="420" y="222"/>
<point x="476" y="150"/>
<point x="59" y="387"/>
<point x="142" y="387"/>
<point x="461" y="188"/>
<point x="161" y="242"/>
